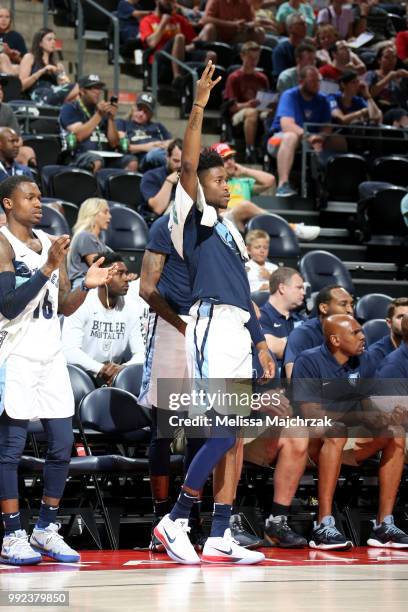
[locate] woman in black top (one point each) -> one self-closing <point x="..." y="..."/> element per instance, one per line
<point x="13" y="43"/>
<point x="42" y="76"/>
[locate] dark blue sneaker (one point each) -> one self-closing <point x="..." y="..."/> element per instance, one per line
<point x="241" y="535"/>
<point x="285" y="191"/>
<point x="326" y="536"/>
<point x="278" y="533"/>
<point x="387" y="535"/>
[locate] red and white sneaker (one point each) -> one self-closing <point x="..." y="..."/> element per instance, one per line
<point x="227" y="550"/>
<point x="173" y="536"/>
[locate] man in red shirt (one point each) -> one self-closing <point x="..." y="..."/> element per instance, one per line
<point x="241" y="88"/>
<point x="168" y="31"/>
<point x="234" y="21"/>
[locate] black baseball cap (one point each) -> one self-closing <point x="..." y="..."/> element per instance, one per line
<point x="146" y="99"/>
<point x="91" y="80"/>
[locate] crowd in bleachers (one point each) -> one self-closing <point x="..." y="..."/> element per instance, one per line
<point x="105" y="179"/>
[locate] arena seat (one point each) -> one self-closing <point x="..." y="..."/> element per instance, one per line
<point x="127" y="235"/>
<point x="81" y="383"/>
<point x="53" y="222"/>
<point x="391" y="169"/>
<point x="225" y="53"/>
<point x="11" y="86"/>
<point x="283" y="243"/>
<point x="47" y="148"/>
<point x="120" y="186"/>
<point x="374" y="330"/>
<point x="372" y="306"/>
<point x="260" y="297"/>
<point x="320" y="268"/>
<point x="352" y="169"/>
<point x="68" y="183"/>
<point x="130" y="378"/>
<point x="70" y="209"/>
<point x="383" y="213"/>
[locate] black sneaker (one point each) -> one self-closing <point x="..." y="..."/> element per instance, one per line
<point x="326" y="536"/>
<point x="197" y="535"/>
<point x="278" y="533"/>
<point x="155" y="544"/>
<point x="387" y="535"/>
<point x="241" y="536"/>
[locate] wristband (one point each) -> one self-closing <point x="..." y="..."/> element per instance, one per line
<point x="199" y="105"/>
<point x="83" y="287"/>
<point x="169" y="181"/>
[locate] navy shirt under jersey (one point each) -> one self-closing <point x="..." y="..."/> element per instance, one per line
<point x="394" y="368"/>
<point x="150" y="185"/>
<point x="275" y="323"/>
<point x="216" y="267"/>
<point x="174" y="284"/>
<point x="307" y="336"/>
<point x="382" y="347"/>
<point x="317" y="377"/>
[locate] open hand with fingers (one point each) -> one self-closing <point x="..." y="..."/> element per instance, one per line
<point x="97" y="276"/>
<point x="56" y="254"/>
<point x="206" y="84"/>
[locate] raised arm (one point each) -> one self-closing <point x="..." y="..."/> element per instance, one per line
<point x="192" y="136"/>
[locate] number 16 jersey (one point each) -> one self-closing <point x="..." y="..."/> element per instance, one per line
<point x="41" y="339"/>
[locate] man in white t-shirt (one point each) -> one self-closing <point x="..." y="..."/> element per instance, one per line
<point x="106" y="328"/>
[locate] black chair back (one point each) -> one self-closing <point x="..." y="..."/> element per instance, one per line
<point x="372" y="306"/>
<point x="283" y="241"/>
<point x="111" y="411"/>
<point x="320" y="268"/>
<point x="375" y="330"/>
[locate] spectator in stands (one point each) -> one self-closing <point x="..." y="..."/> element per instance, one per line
<point x="166" y="30"/>
<point x="339" y="16"/>
<point x="93" y="218"/>
<point x="264" y="12"/>
<point x="284" y="52"/>
<point x="130" y="12"/>
<point x="305" y="55"/>
<point x="326" y="36"/>
<point x="13" y="43"/>
<point x="396" y="117"/>
<point x="388" y="86"/>
<point x="148" y="139"/>
<point x="241" y="90"/>
<point x="101" y="333"/>
<point x="296" y="107"/>
<point x="332" y="299"/>
<point x="258" y="268"/>
<point x="401" y="43"/>
<point x="341" y="60"/>
<point x="279" y="316"/>
<point x="353" y="104"/>
<point x="9" y="150"/>
<point x="93" y="123"/>
<point x="319" y="390"/>
<point x="296" y="7"/>
<point x="7" y="117"/>
<point x="369" y="17"/>
<point x="234" y="21"/>
<point x="42" y="77"/>
<point x="158" y="186"/>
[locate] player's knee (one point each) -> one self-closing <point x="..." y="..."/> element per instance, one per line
<point x="297" y="446"/>
<point x="60" y="448"/>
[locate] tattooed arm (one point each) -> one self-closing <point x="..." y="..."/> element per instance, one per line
<point x="152" y="266"/>
<point x="192" y="137"/>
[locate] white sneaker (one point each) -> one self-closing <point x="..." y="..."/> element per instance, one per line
<point x="306" y="232"/>
<point x="50" y="543"/>
<point x="173" y="536"/>
<point x="227" y="550"/>
<point x="16" y="550"/>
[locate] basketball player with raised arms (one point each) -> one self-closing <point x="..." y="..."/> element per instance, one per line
<point x="219" y="332"/>
<point x="34" y="381"/>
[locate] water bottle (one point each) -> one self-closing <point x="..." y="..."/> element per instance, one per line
<point x="71" y="141"/>
<point x="124" y="144"/>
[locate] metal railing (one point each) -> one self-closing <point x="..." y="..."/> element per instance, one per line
<point x="46" y="7"/>
<point x="357" y="132"/>
<point x="81" y="41"/>
<point x="155" y="71"/>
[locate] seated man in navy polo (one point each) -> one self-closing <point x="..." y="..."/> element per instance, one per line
<point x="397" y="309"/>
<point x="92" y="122"/>
<point x="148" y="139"/>
<point x="9" y="149"/>
<point x="332" y="299"/>
<point x="337" y="379"/>
<point x="158" y="186"/>
<point x="297" y="106"/>
<point x="278" y="315"/>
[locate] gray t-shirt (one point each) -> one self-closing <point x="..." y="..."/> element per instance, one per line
<point x="83" y="244"/>
<point x="7" y="117"/>
<point x="287" y="79"/>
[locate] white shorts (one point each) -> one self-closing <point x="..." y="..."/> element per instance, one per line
<point x="218" y="343"/>
<point x="165" y="358"/>
<point x="38" y="389"/>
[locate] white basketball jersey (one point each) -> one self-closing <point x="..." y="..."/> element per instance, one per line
<point x="35" y="333"/>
